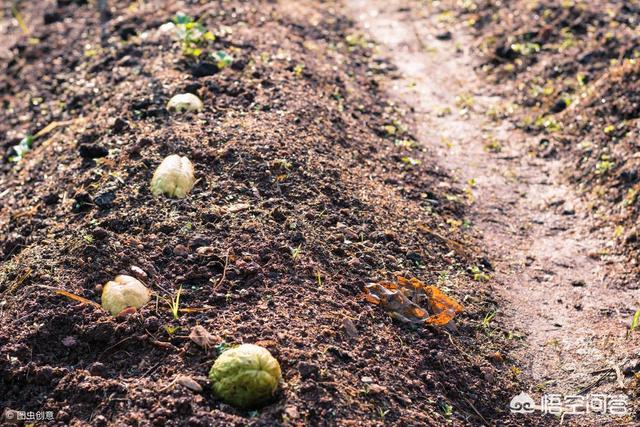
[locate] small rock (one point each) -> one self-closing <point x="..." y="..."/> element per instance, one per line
<point x="377" y="389"/>
<point x="119" y="126"/>
<point x="350" y="328"/>
<point x="291" y="412"/>
<point x="496" y="357"/>
<point x="206" y="251"/>
<point x="204" y="69"/>
<point x="138" y="271"/>
<point x="124" y="314"/>
<point x="354" y="262"/>
<point x="308" y="370"/>
<point x="189" y="383"/>
<point x="152" y="323"/>
<point x="366" y="380"/>
<point x="51" y="17"/>
<point x="444" y="36"/>
<point x="104" y="200"/>
<point x="99" y="421"/>
<point x="97" y="369"/>
<point x="69" y="341"/>
<point x="100" y="233"/>
<point x="51" y="199"/>
<point x="180" y="250"/>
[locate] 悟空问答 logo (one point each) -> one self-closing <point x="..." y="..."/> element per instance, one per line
<point x="522" y="403"/>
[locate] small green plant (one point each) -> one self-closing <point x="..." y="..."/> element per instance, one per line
<point x="222" y="59"/>
<point x="525" y="49"/>
<point x="464" y="100"/>
<point x="492" y="145"/>
<point x="547" y="123"/>
<point x="479" y="275"/>
<point x="405" y="143"/>
<point x="174" y="304"/>
<point x="568" y="39"/>
<point x="171" y="330"/>
<point x="356" y="40"/>
<point x="192" y="34"/>
<point x="447" y="409"/>
<point x="22" y="148"/>
<point x="604" y="165"/>
<point x="486" y="322"/>
<point x="295" y="252"/>
<point x="410" y="161"/>
<point x="382" y="412"/>
<point x="582" y="79"/>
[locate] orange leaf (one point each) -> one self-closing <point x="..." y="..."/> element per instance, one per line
<point x="370" y="298"/>
<point x="440" y="319"/>
<point x="439" y="302"/>
<point x="77" y="298"/>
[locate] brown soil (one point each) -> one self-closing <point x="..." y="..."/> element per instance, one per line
<point x="302" y="198"/>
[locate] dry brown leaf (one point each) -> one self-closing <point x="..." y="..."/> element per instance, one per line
<point x="202" y="337"/>
<point x="410" y="300"/>
<point x="77" y="298"/>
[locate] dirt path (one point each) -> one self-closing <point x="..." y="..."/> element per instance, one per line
<point x="550" y="271"/>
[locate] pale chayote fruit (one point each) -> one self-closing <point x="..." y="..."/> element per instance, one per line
<point x="174" y="177"/>
<point x="246" y="376"/>
<point x="185" y="102"/>
<point x="122" y="292"/>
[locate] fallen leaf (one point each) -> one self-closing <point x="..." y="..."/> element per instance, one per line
<point x="202" y="337"/>
<point x="411" y="301"/>
<point x="77" y="298"/>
